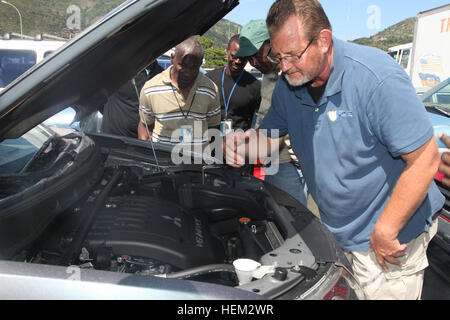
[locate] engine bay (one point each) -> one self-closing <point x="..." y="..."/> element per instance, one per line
<point x="184" y="222"/>
<point x="163" y="223"/>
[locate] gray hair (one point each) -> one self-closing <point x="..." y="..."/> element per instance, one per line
<point x="309" y="12"/>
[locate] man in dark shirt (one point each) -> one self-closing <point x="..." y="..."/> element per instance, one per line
<point x="240" y="92"/>
<point x="121" y="111"/>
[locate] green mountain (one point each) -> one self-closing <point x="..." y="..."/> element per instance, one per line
<point x="52" y="17"/>
<point x="221" y="32"/>
<point x="400" y="33"/>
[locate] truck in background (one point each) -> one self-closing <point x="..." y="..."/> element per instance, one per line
<point x="402" y="54"/>
<point x="19" y="55"/>
<point x="429" y="61"/>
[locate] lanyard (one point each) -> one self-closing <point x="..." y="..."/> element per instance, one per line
<point x="227" y="103"/>
<point x="179" y="106"/>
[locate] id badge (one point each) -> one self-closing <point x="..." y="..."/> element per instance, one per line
<point x="186" y="134"/>
<point x="257" y="120"/>
<point x="226" y="126"/>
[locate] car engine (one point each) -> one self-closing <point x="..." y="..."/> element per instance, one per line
<point x="108" y="206"/>
<point x="157" y="224"/>
<point x="150" y="227"/>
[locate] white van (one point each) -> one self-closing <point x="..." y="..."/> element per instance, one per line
<point x="18" y="55"/>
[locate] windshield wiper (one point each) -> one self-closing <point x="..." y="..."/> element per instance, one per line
<point x="439" y="107"/>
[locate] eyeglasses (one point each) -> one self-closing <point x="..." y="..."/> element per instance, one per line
<point x="295" y="58"/>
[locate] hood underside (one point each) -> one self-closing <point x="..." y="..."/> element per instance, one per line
<point x="89" y="68"/>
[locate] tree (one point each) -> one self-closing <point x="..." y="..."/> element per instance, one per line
<point x="214" y="57"/>
<point x="205" y="42"/>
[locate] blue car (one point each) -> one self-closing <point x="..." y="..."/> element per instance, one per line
<point x="437" y="103"/>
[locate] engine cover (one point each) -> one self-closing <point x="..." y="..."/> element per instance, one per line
<point x="154" y="228"/>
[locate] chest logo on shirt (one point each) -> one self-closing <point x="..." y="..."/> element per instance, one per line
<point x="335" y="115"/>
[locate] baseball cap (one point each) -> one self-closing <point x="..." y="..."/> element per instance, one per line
<point x="252" y="37"/>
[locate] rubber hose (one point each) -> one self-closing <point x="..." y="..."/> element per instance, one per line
<point x="209" y="268"/>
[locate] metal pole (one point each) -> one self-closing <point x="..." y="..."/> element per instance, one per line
<point x="20" y="16"/>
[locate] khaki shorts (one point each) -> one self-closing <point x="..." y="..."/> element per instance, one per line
<point x="399" y="282"/>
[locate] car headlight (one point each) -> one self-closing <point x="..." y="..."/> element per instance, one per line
<point x="337" y="284"/>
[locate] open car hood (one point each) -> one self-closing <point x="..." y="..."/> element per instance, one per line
<point x="90" y="67"/>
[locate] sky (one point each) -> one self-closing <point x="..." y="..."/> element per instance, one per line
<point x="350" y="19"/>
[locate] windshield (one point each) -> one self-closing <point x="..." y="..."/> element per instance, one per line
<point x="440" y="97"/>
<point x="405" y="58"/>
<point x="394" y="54"/>
<point x="16" y="153"/>
<point x="13" y="63"/>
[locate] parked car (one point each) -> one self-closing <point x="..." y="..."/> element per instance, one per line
<point x="437" y="102"/>
<point x="164" y="61"/>
<point x="96" y="216"/>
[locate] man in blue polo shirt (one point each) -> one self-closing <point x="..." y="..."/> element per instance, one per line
<point x="366" y="144"/>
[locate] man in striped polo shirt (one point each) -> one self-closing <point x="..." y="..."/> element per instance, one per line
<point x="180" y="104"/>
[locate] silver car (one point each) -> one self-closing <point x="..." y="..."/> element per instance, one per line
<point x="96" y="216"/>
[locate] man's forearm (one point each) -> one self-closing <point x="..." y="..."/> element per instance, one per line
<point x="408" y="194"/>
<point x="411" y="188"/>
